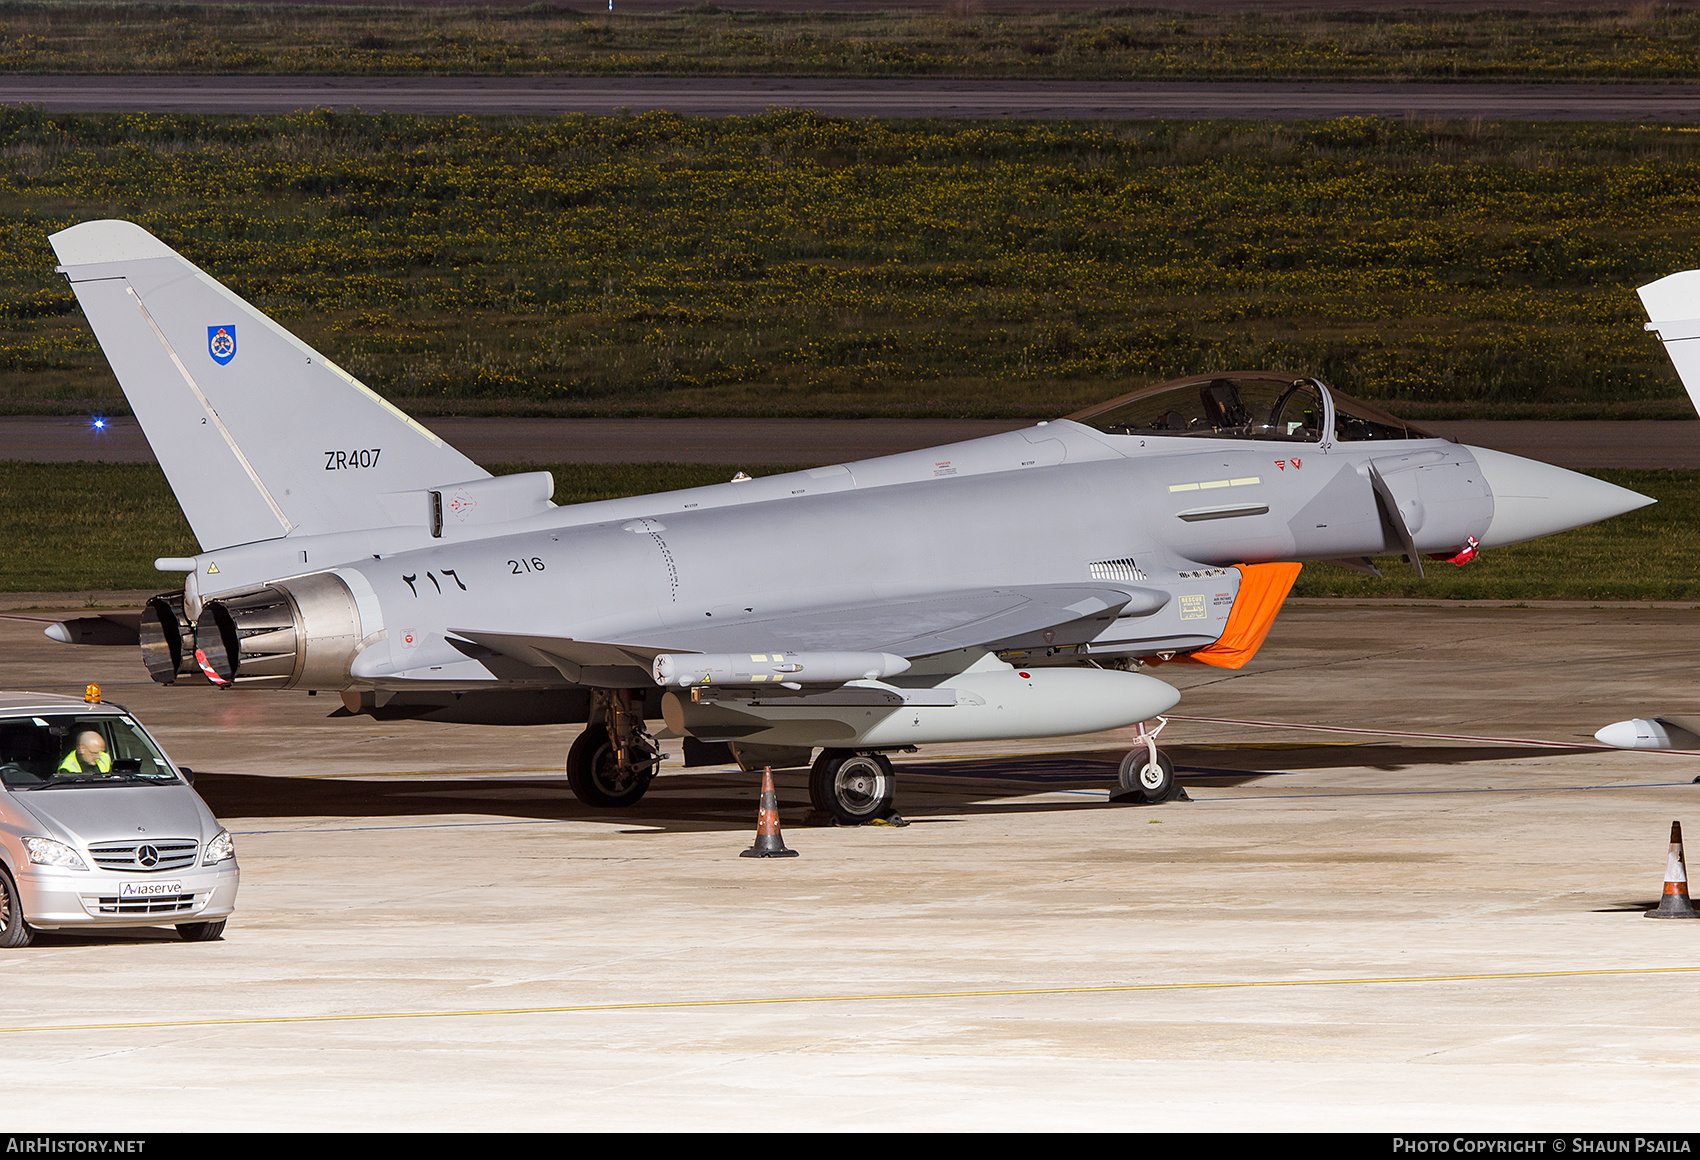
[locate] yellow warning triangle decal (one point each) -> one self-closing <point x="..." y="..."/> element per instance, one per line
<point x="211" y="567"/>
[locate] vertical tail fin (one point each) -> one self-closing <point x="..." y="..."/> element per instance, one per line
<point x="258" y="434"/>
<point x="1673" y="305"/>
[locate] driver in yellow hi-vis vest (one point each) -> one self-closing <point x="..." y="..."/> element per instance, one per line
<point x="89" y="756"/>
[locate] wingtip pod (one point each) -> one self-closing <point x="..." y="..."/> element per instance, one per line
<point x="1532" y="499"/>
<point x="1673" y="310"/>
<point x="107" y="240"/>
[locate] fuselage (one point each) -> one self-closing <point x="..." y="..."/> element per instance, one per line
<point x="1054" y="503"/>
<point x="1140" y="498"/>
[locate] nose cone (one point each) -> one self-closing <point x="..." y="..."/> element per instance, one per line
<point x="1533" y="499"/>
<point x="1636" y="734"/>
<point x="1644" y="734"/>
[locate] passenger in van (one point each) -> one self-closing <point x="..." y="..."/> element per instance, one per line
<point x="89" y="756"/>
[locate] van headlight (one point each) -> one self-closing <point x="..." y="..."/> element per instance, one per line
<point x="220" y="849"/>
<point x="47" y="852"/>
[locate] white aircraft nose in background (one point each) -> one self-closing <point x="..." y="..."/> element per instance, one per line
<point x="1642" y="733"/>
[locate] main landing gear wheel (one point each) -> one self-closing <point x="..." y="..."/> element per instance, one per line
<point x="596" y="777"/>
<point x="1144" y="780"/>
<point x="14" y="931"/>
<point x="853" y="787"/>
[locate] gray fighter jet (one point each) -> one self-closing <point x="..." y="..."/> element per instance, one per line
<point x="998" y="588"/>
<point x="1673" y="308"/>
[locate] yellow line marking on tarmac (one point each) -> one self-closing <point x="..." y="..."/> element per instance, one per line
<point x="894" y="997"/>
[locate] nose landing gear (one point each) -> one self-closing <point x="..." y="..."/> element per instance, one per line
<point x="1147" y="776"/>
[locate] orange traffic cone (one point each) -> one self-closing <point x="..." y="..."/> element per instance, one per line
<point x="769" y="843"/>
<point x="1675" y="903"/>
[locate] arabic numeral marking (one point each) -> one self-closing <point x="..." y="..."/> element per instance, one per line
<point x="521" y="567"/>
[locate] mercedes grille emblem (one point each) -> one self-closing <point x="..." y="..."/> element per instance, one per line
<point x="147" y="855"/>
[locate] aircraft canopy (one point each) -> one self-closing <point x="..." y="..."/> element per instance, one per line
<point x="1245" y="405"/>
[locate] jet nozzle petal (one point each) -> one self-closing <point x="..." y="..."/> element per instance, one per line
<point x="1533" y="499"/>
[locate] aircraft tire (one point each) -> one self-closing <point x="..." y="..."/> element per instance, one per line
<point x="200" y="931"/>
<point x="853" y="787"/>
<point x="593" y="773"/>
<point x="14" y="931"/>
<point x="1151" y="781"/>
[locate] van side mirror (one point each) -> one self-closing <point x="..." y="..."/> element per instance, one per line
<point x="188" y="774"/>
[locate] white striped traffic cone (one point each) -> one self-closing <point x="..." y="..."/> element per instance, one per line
<point x="1675" y="903"/>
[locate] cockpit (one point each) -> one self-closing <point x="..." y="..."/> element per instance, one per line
<point x="1246" y="405"/>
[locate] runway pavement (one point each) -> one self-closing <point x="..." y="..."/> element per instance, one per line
<point x="885" y="97"/>
<point x="432" y="934"/>
<point x="810" y="442"/>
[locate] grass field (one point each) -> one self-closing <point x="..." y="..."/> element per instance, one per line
<point x="791" y="264"/>
<point x="1640" y="41"/>
<point x="75" y="526"/>
<point x="90" y="526"/>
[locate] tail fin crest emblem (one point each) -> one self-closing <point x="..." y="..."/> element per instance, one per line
<point x="221" y="343"/>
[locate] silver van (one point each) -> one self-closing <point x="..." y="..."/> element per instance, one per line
<point x="99" y="829"/>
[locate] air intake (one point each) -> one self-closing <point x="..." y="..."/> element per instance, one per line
<point x="1124" y="570"/>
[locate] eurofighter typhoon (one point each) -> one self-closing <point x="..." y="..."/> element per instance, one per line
<point x="998" y="588"/>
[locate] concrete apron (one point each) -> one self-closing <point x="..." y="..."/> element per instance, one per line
<point x="1338" y="932"/>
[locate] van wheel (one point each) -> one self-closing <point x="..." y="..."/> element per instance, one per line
<point x="200" y="931"/>
<point x="14" y="931"/>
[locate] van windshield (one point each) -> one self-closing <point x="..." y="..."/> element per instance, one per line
<point x="61" y="750"/>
